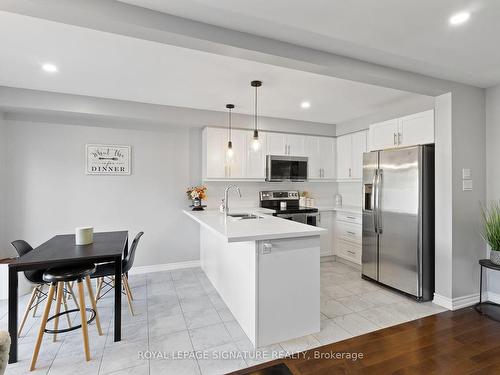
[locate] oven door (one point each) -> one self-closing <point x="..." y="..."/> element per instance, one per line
<point x="286" y="168"/>
<point x="300" y="218"/>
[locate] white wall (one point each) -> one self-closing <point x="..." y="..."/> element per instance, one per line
<point x="3" y="144"/>
<point x="468" y="145"/>
<point x="48" y="192"/>
<point x="411" y="104"/>
<point x="492" y="162"/>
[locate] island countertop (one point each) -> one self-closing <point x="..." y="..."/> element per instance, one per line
<point x="238" y="230"/>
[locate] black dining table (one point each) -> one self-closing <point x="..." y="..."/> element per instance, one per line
<point x="61" y="251"/>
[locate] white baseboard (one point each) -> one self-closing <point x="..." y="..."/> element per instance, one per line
<point x="492" y="297"/>
<point x="456" y="303"/>
<point x="347" y="262"/>
<point x="164" y="267"/>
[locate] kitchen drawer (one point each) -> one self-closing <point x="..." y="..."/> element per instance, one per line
<point x="349" y="217"/>
<point x="349" y="232"/>
<point x="348" y="250"/>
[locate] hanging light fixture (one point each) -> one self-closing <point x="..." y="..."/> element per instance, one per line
<point x="255" y="140"/>
<point x="229" y="152"/>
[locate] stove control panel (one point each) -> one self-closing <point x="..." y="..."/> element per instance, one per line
<point x="279" y="195"/>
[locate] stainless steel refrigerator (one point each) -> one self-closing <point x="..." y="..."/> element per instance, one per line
<point x="398" y="219"/>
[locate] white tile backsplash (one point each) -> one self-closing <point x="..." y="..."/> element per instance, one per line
<point x="351" y="193"/>
<point x="322" y="192"/>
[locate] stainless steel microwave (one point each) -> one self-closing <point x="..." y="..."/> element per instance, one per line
<point x="286" y="168"/>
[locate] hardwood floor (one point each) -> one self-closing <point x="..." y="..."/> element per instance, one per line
<point x="453" y="342"/>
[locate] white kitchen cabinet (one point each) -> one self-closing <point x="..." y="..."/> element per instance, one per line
<point x="248" y="164"/>
<point x="285" y="144"/>
<point x="296" y="145"/>
<point x="348" y="236"/>
<point x="415" y="129"/>
<point x="214" y="153"/>
<point x="343" y="156"/>
<point x="358" y="144"/>
<point x="256" y="160"/>
<point x="245" y="163"/>
<point x="276" y="144"/>
<point x="325" y="221"/>
<point x="350" y="149"/>
<point x="383" y="135"/>
<point x="237" y="165"/>
<point x="321" y="152"/>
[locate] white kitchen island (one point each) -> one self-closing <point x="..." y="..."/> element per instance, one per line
<point x="266" y="270"/>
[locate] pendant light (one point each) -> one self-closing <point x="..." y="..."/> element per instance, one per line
<point x="229" y="152"/>
<point x="255" y="140"/>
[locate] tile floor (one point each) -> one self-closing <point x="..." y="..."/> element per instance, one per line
<point x="180" y="312"/>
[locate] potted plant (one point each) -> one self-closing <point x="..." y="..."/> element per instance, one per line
<point x="197" y="194"/>
<point x="491" y="229"/>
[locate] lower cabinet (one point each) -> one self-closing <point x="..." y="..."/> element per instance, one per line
<point x="348" y="236"/>
<point x="325" y="221"/>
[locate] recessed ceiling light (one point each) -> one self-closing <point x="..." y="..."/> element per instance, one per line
<point x="459" y="18"/>
<point x="305" y="105"/>
<point x="50" y="68"/>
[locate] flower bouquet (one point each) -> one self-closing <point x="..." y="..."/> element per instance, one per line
<point x="197" y="194"/>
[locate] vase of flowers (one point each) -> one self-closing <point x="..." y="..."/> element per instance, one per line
<point x="491" y="229"/>
<point x="196" y="194"/>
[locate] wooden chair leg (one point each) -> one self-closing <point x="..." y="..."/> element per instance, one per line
<point x="128" y="287"/>
<point x="99" y="288"/>
<point x="94" y="304"/>
<point x="34" y="293"/>
<point x="70" y="288"/>
<point x="66" y="308"/>
<point x="43" y="324"/>
<point x="127" y="291"/>
<point x="59" y="294"/>
<point x="40" y="290"/>
<point x="83" y="317"/>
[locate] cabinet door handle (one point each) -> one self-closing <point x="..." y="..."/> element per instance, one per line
<point x="351" y="217"/>
<point x="349" y="172"/>
<point x="267" y="248"/>
<point x="394" y="139"/>
<point x="399" y="138"/>
<point x="351" y="252"/>
<point x="353" y="233"/>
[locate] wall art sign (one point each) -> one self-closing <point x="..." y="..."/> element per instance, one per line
<point x="107" y="160"/>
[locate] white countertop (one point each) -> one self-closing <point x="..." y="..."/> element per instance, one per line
<point x="350" y="209"/>
<point x="267" y="228"/>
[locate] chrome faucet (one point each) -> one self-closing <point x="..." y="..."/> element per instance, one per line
<point x="226" y="197"/>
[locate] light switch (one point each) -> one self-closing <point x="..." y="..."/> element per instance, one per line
<point x="466" y="175"/>
<point x="467" y="185"/>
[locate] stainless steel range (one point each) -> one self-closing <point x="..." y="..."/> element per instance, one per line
<point x="286" y="205"/>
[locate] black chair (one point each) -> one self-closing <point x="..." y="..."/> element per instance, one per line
<point x="57" y="277"/>
<point x="36" y="278"/>
<point x="105" y="274"/>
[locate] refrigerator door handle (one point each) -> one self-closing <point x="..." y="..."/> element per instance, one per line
<point x="374" y="200"/>
<point x="377" y="201"/>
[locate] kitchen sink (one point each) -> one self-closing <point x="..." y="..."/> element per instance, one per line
<point x="245" y="216"/>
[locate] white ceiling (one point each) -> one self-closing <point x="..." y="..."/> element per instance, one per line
<point x="107" y="65"/>
<point x="410" y="35"/>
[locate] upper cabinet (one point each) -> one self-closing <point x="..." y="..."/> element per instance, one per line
<point x="321" y="152"/>
<point x="250" y="164"/>
<point x="350" y="149"/>
<point x="216" y="164"/>
<point x="416" y="129"/>
<point x="285" y="144"/>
